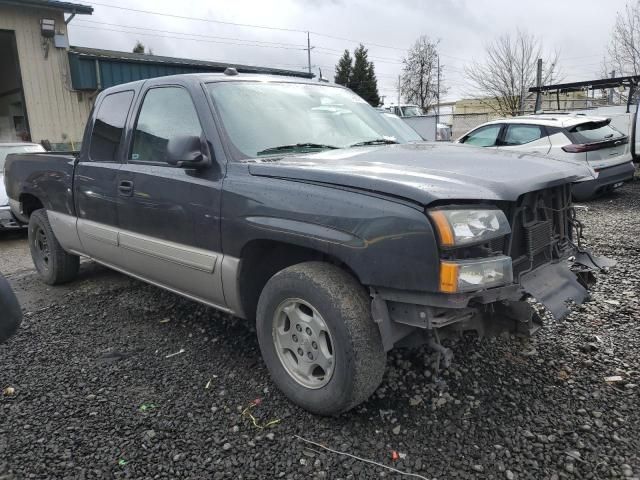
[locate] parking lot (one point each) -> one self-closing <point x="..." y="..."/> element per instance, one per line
<point x="115" y="378"/>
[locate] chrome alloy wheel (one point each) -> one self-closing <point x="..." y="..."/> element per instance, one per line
<point x="303" y="343"/>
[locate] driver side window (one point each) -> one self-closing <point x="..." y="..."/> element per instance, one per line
<point x="166" y="113"/>
<point x="484" y="136"/>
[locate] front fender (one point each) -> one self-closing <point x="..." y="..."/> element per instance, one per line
<point x="385" y="242"/>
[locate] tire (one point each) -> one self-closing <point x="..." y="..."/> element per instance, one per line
<point x="309" y="294"/>
<point x="54" y="265"/>
<point x="11" y="312"/>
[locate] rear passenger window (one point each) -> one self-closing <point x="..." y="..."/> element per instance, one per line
<point x="521" y="134"/>
<point x="108" y="126"/>
<point x="166" y="113"/>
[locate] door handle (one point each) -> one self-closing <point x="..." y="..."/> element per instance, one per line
<point x="125" y="187"/>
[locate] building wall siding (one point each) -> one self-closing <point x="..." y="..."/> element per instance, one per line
<point x="55" y="112"/>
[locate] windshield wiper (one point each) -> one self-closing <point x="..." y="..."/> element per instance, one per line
<point x="375" y="141"/>
<point x="296" y="146"/>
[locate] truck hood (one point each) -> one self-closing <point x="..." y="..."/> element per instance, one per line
<point x="427" y="172"/>
<point x="4" y="199"/>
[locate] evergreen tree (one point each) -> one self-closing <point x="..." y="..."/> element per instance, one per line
<point x="359" y="76"/>
<point x="363" y="79"/>
<point x="343" y="69"/>
<point x="139" y="48"/>
<point x="372" y="95"/>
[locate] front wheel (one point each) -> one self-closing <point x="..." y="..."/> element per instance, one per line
<point x="54" y="265"/>
<point x="317" y="337"/>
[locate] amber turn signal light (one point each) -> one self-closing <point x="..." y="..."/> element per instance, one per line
<point x="449" y="277"/>
<point x="443" y="227"/>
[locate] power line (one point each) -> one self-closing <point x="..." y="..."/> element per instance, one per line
<point x="267" y="44"/>
<point x="183" y="17"/>
<point x="192" y="39"/>
<point x="189" y="34"/>
<point x="267" y="27"/>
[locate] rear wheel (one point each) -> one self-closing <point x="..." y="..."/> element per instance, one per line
<point x="318" y="339"/>
<point x="54" y="265"/>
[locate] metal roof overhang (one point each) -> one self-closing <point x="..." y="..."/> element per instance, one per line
<point x="600" y="84"/>
<point x="66" y="7"/>
<point x="588" y="85"/>
<point x="95" y="69"/>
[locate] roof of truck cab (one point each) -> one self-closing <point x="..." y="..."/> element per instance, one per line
<point x="551" y="119"/>
<point x="219" y="77"/>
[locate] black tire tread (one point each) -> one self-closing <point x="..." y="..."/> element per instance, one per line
<point x="64" y="266"/>
<point x="351" y="299"/>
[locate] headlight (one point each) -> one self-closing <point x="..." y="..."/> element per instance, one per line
<point x="470" y="275"/>
<point x="464" y="227"/>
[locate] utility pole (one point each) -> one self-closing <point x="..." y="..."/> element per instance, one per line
<point x="538" y="108"/>
<point x="521" y="106"/>
<point x="308" y="53"/>
<point x="610" y="99"/>
<point x="398" y="91"/>
<point x="437" y="98"/>
<point x="438" y="92"/>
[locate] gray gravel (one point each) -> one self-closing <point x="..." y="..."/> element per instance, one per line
<point x="96" y="396"/>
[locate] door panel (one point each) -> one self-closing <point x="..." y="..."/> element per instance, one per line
<point x="169" y="222"/>
<point x="542" y="146"/>
<point x="96" y="175"/>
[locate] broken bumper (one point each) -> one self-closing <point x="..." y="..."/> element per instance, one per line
<point x="558" y="285"/>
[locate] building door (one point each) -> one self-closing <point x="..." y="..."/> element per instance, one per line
<point x="14" y="126"/>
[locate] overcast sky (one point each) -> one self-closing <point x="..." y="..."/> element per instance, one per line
<point x="579" y="29"/>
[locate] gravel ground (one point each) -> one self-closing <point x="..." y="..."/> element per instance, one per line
<point x="14" y="252"/>
<point x="97" y="393"/>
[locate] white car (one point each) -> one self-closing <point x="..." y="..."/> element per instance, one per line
<point x="572" y="136"/>
<point x="7" y="220"/>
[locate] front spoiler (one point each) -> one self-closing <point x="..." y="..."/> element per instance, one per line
<point x="558" y="285"/>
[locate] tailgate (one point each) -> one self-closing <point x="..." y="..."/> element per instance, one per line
<point x="610" y="155"/>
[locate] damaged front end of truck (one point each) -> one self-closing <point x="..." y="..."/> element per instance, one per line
<point x="494" y="258"/>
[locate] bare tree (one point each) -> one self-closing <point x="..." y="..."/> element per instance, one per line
<point x="418" y="82"/>
<point x="503" y="80"/>
<point x="623" y="57"/>
<point x="624" y="46"/>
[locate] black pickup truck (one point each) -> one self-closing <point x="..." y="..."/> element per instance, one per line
<point x="293" y="204"/>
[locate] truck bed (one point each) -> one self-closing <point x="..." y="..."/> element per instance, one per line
<point x="47" y="176"/>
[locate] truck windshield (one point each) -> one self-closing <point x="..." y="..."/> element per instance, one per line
<point x="261" y="118"/>
<point x="403" y="131"/>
